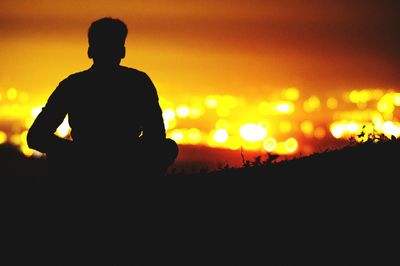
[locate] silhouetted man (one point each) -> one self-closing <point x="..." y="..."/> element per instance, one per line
<point x="113" y="111"/>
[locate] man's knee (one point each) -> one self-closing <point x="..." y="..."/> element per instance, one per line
<point x="171" y="150"/>
<point x="161" y="154"/>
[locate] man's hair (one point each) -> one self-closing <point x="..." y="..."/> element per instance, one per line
<point x="107" y="30"/>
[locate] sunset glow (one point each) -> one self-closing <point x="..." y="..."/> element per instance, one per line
<point x="281" y="77"/>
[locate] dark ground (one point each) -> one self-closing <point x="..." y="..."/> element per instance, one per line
<point x="339" y="207"/>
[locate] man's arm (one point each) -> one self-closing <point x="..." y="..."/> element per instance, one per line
<point x="153" y="126"/>
<point x="41" y="135"/>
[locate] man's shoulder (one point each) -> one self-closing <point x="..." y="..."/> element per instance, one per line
<point x="75" y="77"/>
<point x="123" y="69"/>
<point x="132" y="71"/>
<point x="78" y="75"/>
<point x="82" y="76"/>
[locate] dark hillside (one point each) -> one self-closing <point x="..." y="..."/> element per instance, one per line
<point x="336" y="207"/>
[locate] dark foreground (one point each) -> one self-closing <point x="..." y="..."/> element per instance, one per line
<point x="338" y="207"/>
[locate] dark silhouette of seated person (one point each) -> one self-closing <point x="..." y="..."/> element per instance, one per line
<point x="113" y="111"/>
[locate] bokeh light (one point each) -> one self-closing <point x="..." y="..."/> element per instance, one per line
<point x="226" y="121"/>
<point x="221" y="136"/>
<point x="252" y="132"/>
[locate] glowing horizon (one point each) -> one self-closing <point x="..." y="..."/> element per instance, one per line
<point x="289" y="125"/>
<point x="276" y="76"/>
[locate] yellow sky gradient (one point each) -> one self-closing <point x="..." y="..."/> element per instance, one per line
<point x="243" y="48"/>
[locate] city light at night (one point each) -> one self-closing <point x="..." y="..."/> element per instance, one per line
<point x="282" y="127"/>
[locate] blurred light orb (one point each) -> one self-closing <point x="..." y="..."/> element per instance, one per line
<point x="12" y="94"/>
<point x="337" y="130"/>
<point x="168" y="114"/>
<point x="252" y="132"/>
<point x="182" y="111"/>
<point x="177" y="135"/>
<point x="221" y="136"/>
<point x="3" y="137"/>
<point x="291" y="145"/>
<point x="389" y="129"/>
<point x="270" y="144"/>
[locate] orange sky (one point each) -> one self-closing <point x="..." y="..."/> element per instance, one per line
<point x="244" y="48"/>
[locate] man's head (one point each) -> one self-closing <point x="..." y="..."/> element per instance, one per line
<point x="107" y="41"/>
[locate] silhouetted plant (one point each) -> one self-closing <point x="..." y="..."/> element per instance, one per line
<point x="222" y="166"/>
<point x="372" y="137"/>
<point x="226" y="166"/>
<point x="353" y="141"/>
<point x="257" y="161"/>
<point x="245" y="163"/>
<point x="271" y="158"/>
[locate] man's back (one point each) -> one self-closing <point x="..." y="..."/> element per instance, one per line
<point x="107" y="107"/>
